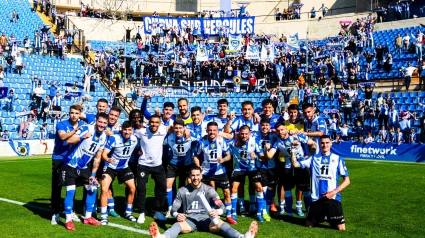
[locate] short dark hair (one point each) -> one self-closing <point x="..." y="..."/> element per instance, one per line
<point x="279" y="124"/>
<point x="307" y="105"/>
<point x="195" y="108"/>
<point x="194" y="167"/>
<point x="325" y="137"/>
<point x="293" y="107"/>
<point x="178" y="122"/>
<point x="267" y="101"/>
<point x="182" y="99"/>
<point x="244" y="127"/>
<point x="222" y="101"/>
<point x="102" y="100"/>
<point x="115" y="108"/>
<point x="247" y="103"/>
<point x="265" y="120"/>
<point x="76" y="107"/>
<point x="126" y="124"/>
<point x="133" y="112"/>
<point x="102" y="115"/>
<point x="155" y="116"/>
<point x="212" y="123"/>
<point x="168" y="104"/>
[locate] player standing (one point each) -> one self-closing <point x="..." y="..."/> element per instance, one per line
<point x="195" y="215"/>
<point x="246" y="150"/>
<point x="325" y="169"/>
<point x="284" y="145"/>
<point x="116" y="155"/>
<point x="214" y="151"/>
<point x="87" y="143"/>
<point x="64" y="130"/>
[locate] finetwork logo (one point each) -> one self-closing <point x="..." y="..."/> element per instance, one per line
<point x="375" y="151"/>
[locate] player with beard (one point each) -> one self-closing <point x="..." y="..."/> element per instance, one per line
<point x="221" y="118"/>
<point x="183" y="106"/>
<point x="194" y="215"/>
<point x="268" y="112"/>
<point x="286" y="177"/>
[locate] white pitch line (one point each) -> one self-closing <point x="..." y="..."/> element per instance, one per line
<point x="122" y="227"/>
<point x="14" y="161"/>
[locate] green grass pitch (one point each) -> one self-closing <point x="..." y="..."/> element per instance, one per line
<point x="383" y="200"/>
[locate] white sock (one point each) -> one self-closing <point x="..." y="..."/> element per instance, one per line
<point x="88" y="215"/>
<point x="68" y="217"/>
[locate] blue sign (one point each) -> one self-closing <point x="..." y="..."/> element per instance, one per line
<point x="20" y="148"/>
<point x="384" y="152"/>
<point x="208" y="26"/>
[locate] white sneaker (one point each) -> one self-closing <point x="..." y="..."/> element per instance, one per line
<point x="74" y="217"/>
<point x="141" y="218"/>
<point x="159" y="216"/>
<point x="168" y="215"/>
<point x="55" y="219"/>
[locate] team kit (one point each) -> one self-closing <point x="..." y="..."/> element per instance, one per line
<point x="191" y="154"/>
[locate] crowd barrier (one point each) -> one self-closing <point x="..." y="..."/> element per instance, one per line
<point x="377" y="151"/>
<point x="25" y="147"/>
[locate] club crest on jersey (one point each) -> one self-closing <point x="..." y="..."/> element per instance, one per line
<point x="248" y="124"/>
<point x="197" y="129"/>
<point x="127" y="143"/>
<point x="288" y="143"/>
<point x="325" y="161"/>
<point x="244" y="146"/>
<point x="212" y="146"/>
<point x="96" y="138"/>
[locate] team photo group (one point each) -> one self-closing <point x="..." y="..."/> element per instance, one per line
<point x="189" y="154"/>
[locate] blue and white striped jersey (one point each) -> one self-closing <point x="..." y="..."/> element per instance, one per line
<point x="181" y="148"/>
<point x="325" y="172"/>
<point x="121" y="150"/>
<point x="210" y="151"/>
<point x="61" y="148"/>
<point x="316" y="124"/>
<point x="116" y="130"/>
<point x="242" y="155"/>
<point x="285" y="146"/>
<point x="270" y="138"/>
<point x="81" y="154"/>
<point x="240" y="121"/>
<point x="221" y="122"/>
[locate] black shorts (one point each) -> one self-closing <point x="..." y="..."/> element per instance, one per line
<point x="253" y="176"/>
<point x="287" y="179"/>
<point x="268" y="177"/>
<point x="100" y="171"/>
<point x="72" y="176"/>
<point x="123" y="175"/>
<point x="221" y="181"/>
<point x="302" y="179"/>
<point x="174" y="170"/>
<point x="329" y="209"/>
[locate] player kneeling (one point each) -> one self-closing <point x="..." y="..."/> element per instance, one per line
<point x="195" y="200"/>
<point x="116" y="155"/>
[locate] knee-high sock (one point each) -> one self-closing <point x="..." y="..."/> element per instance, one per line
<point x="170" y="197"/>
<point x="307" y="199"/>
<point x="234" y="198"/>
<point x="91" y="199"/>
<point x="260" y="203"/>
<point x="227" y="231"/>
<point x="288" y="201"/>
<point x="69" y="202"/>
<point x="111" y="204"/>
<point x="174" y="231"/>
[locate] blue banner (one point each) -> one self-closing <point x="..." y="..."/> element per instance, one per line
<point x="20" y="148"/>
<point x="384" y="152"/>
<point x="208" y="26"/>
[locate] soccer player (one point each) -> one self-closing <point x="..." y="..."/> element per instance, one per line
<point x="195" y="215"/>
<point x="246" y="150"/>
<point x="314" y="126"/>
<point x="183" y="106"/>
<point x="116" y="154"/>
<point x="150" y="163"/>
<point x="233" y="126"/>
<point x="196" y="125"/>
<point x="101" y="106"/>
<point x="64" y="130"/>
<point x="222" y="117"/>
<point x="268" y="112"/>
<point x="286" y="177"/>
<point x="325" y="169"/>
<point x="181" y="159"/>
<point x="214" y="151"/>
<point x="87" y="143"/>
<point x="167" y="116"/>
<point x="266" y="167"/>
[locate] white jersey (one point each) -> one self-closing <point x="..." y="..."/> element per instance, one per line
<point x="121" y="150"/>
<point x="210" y="151"/>
<point x="81" y="154"/>
<point x="151" y="146"/>
<point x="325" y="172"/>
